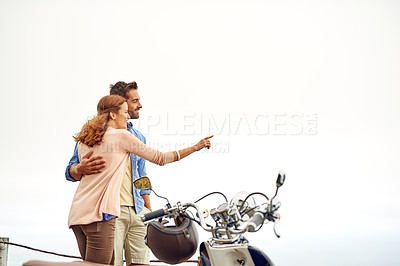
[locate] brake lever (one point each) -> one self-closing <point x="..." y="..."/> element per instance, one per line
<point x="277" y="235"/>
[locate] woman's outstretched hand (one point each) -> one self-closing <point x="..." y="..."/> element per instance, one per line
<point x="204" y="143"/>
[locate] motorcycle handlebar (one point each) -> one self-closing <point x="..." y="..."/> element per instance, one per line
<point x="256" y="221"/>
<point x="153" y="215"/>
<point x="251" y="226"/>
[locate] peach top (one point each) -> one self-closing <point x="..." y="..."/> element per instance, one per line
<point x="100" y="193"/>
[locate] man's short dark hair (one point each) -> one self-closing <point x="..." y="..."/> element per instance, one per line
<point x="122" y="88"/>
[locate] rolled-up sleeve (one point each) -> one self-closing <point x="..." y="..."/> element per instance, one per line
<point x="73" y="161"/>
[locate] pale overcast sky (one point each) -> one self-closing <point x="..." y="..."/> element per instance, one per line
<point x="309" y="87"/>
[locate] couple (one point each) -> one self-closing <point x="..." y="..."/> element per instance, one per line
<point x="108" y="157"/>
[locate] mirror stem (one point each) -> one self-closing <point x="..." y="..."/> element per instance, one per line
<point x="276" y="193"/>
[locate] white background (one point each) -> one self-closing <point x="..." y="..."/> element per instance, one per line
<point x="309" y="87"/>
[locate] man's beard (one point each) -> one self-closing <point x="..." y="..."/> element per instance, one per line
<point x="134" y="115"/>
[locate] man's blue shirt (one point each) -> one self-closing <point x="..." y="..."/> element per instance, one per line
<point x="138" y="169"/>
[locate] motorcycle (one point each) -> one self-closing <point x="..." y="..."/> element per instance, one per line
<point x="227" y="246"/>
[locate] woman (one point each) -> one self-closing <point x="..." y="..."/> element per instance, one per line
<point x="96" y="200"/>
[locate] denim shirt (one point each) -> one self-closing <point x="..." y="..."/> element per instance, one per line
<point x="138" y="170"/>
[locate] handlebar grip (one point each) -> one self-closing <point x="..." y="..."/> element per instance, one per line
<point x="152" y="215"/>
<point x="255" y="221"/>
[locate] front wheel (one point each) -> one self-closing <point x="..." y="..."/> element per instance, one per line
<point x="259" y="257"/>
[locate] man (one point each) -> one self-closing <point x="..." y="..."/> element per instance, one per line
<point x="129" y="229"/>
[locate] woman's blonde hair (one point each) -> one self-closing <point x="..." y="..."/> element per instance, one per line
<point x="93" y="130"/>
